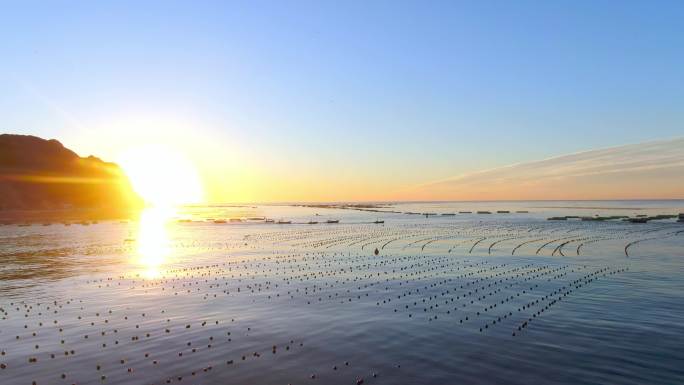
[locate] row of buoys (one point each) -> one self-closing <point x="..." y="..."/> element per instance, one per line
<point x="402" y="235"/>
<point x="434" y="287"/>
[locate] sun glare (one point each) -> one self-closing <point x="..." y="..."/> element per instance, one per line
<point x="162" y="176"/>
<point x="153" y="243"/>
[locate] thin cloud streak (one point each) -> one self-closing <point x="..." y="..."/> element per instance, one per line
<point x="645" y="170"/>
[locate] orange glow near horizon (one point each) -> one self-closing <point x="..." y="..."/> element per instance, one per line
<point x="164" y="176"/>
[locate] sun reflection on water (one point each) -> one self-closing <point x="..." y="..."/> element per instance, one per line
<point x="153" y="241"/>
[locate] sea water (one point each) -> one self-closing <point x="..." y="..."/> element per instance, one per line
<point x="507" y="297"/>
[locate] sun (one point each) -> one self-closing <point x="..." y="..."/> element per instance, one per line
<point x="162" y="175"/>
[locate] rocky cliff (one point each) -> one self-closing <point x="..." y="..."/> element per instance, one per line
<point x="39" y="174"/>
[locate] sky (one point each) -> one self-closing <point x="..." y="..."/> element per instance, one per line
<point x="651" y="169"/>
<point x="353" y="100"/>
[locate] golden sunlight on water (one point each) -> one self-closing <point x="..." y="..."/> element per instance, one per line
<point x="164" y="178"/>
<point x="153" y="249"/>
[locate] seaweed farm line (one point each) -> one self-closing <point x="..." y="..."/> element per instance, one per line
<point x="347" y="295"/>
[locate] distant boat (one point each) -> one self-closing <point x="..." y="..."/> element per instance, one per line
<point x="503" y="212"/>
<point x="465" y="212"/>
<point x="282" y="222"/>
<point x="219" y="221"/>
<point x="484" y="212"/>
<point x="379" y="222"/>
<point x="312" y="222"/>
<point x="332" y="221"/>
<point x="233" y="220"/>
<point x="522" y="211"/>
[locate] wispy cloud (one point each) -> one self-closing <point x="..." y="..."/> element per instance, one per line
<point x="645" y="170"/>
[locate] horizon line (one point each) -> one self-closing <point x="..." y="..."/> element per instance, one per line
<point x="430" y="201"/>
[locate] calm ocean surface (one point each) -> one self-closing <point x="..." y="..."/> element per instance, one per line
<point x="507" y="297"/>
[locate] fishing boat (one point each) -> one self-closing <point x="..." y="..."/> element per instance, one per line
<point x="282" y="222"/>
<point x="219" y="221"/>
<point x="234" y="220"/>
<point x="312" y="222"/>
<point x="332" y="221"/>
<point x="269" y="221"/>
<point x="379" y="221"/>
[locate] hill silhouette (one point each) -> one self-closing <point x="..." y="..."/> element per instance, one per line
<point x="40" y="174"/>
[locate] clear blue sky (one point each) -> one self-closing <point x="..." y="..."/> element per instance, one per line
<point x="418" y="90"/>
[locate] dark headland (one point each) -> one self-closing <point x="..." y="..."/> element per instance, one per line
<point x="43" y="180"/>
